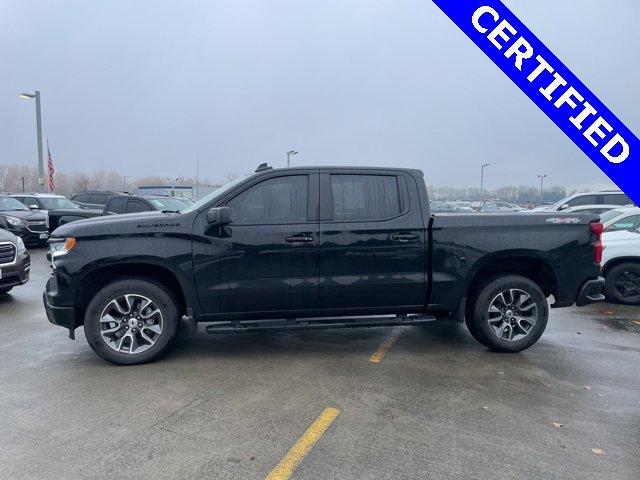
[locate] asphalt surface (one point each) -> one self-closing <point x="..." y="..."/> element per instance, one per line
<point x="437" y="405"/>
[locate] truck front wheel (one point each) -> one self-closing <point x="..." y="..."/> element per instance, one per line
<point x="131" y="321"/>
<point x="507" y="313"/>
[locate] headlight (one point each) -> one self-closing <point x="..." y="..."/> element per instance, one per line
<point x="20" y="245"/>
<point x="15" y="221"/>
<point x="61" y="247"/>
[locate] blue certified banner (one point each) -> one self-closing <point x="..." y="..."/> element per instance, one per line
<point x="552" y="87"/>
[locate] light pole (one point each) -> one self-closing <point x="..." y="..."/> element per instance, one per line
<point x="482" y="183"/>
<point x="36" y="95"/>
<point x="541" y="177"/>
<point x="289" y="153"/>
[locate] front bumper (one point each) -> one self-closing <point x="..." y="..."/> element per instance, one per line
<point x="57" y="313"/>
<point x="28" y="236"/>
<point x="590" y="292"/>
<point x="16" y="273"/>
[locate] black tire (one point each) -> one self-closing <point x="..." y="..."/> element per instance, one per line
<point x="478" y="316"/>
<point x="161" y="297"/>
<point x="617" y="278"/>
<point x="5" y="290"/>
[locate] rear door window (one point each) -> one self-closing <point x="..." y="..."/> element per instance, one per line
<point x="616" y="199"/>
<point x="365" y="197"/>
<point x="98" y="198"/>
<point x="116" y="205"/>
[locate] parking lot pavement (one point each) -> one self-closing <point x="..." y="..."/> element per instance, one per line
<point x="434" y="405"/>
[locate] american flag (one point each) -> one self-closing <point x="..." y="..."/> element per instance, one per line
<point x="52" y="170"/>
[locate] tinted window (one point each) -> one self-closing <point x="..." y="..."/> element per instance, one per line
<point x="628" y="223"/>
<point x="364" y="197"/>
<point x="82" y="198"/>
<point x="116" y="205"/>
<point x="277" y="200"/>
<point x="617" y="199"/>
<point x="582" y="200"/>
<point x="137" y="206"/>
<point x="98" y="198"/>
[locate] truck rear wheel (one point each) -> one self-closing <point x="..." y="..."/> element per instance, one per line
<point x="623" y="283"/>
<point x="508" y="313"/>
<point x="131" y="321"/>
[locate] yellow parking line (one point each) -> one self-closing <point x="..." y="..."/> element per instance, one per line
<point x="386" y="345"/>
<point x="292" y="459"/>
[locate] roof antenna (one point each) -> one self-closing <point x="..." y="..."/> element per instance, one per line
<point x="262" y="167"/>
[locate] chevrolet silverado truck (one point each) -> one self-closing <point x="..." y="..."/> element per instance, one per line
<point x="311" y="248"/>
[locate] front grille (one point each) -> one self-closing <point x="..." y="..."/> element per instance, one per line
<point x="7" y="253"/>
<point x="40" y="226"/>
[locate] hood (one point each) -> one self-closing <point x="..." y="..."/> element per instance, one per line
<point x="620" y="236"/>
<point x="74" y="211"/>
<point x="127" y="223"/>
<point x="6" y="236"/>
<point x="24" y="214"/>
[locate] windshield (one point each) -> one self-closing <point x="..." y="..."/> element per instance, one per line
<point x="610" y="215"/>
<point x="53" y="203"/>
<point x="168" y="203"/>
<point x="216" y="193"/>
<point x="8" y="203"/>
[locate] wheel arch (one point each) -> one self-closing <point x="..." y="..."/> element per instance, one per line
<point x="614" y="262"/>
<point x="530" y="265"/>
<point x="156" y="273"/>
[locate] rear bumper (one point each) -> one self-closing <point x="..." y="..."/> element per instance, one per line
<point x="590" y="292"/>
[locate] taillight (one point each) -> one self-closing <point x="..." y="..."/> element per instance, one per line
<point x="597" y="229"/>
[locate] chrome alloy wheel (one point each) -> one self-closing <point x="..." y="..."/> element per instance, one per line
<point x="130" y="324"/>
<point x="512" y="315"/>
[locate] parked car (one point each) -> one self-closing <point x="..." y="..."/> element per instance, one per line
<point x="449" y="207"/>
<point x="316" y="248"/>
<point x="603" y="197"/>
<point x="134" y="203"/>
<point x="15" y="262"/>
<point x="59" y="209"/>
<point x="621" y="265"/>
<point x="94" y="199"/>
<point x="626" y="218"/>
<point x="490" y="207"/>
<point x="31" y="227"/>
<point x="595" y="209"/>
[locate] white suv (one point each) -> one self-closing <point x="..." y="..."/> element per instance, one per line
<point x="621" y="265"/>
<point x="603" y="197"/>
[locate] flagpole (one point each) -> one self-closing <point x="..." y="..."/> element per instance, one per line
<point x="48" y="168"/>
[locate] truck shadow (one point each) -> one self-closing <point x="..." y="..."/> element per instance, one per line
<point x="435" y="337"/>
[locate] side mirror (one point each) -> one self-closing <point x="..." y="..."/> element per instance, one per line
<point x="219" y="216"/>
<point x="33" y="207"/>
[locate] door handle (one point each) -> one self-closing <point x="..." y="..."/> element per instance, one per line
<point x="299" y="239"/>
<point x="405" y="237"/>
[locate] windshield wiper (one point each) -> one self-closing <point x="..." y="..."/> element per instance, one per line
<point x="170" y="211"/>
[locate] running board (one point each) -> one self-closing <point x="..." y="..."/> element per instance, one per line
<point x="242" y="326"/>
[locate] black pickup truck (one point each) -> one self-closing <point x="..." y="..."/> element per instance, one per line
<point x="305" y="248"/>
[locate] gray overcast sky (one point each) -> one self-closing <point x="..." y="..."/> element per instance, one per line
<point x="141" y="86"/>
